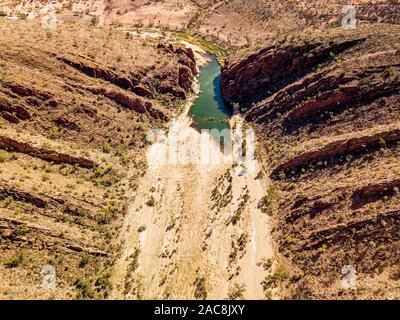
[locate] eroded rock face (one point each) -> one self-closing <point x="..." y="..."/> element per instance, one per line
<point x="178" y="81"/>
<point x="337" y="148"/>
<point x="8" y="191"/>
<point x="10" y="117"/>
<point x="375" y="191"/>
<point x="102" y="73"/>
<point x="27" y="91"/>
<point x="68" y="124"/>
<point x="186" y="54"/>
<point x="130" y="102"/>
<point x="13" y="112"/>
<point x="175" y="79"/>
<point x="142" y="91"/>
<point x="42" y="153"/>
<point x="264" y="69"/>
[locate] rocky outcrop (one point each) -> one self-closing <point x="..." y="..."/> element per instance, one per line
<point x="172" y="88"/>
<point x="327" y="114"/>
<point x="42" y="153"/>
<point x="266" y="68"/>
<point x="385" y="225"/>
<point x="20" y="112"/>
<point x="337" y="148"/>
<point x="66" y="123"/>
<point x="13" y="112"/>
<point x="185" y="78"/>
<point x="130" y="102"/>
<point x="92" y="113"/>
<point x="7" y="191"/>
<point x="186" y="55"/>
<point x="43" y="237"/>
<point x="102" y="73"/>
<point x="177" y="81"/>
<point x="24" y="91"/>
<point x="375" y="191"/>
<point x="351" y="93"/>
<point x="143" y="91"/>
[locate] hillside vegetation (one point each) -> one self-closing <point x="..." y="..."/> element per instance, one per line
<point x="76" y="105"/>
<point x="327" y="113"/>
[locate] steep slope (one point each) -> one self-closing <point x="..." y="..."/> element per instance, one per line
<point x="327" y="111"/>
<point x="76" y="105"/>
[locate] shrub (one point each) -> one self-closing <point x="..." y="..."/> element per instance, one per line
<point x="396" y="274"/>
<point x="236" y="292"/>
<point x="84" y="290"/>
<point x="15" y="261"/>
<point x="8" y="201"/>
<point x="54" y="132"/>
<point x="201" y="292"/>
<point x="106" y="148"/>
<point x="84" y="261"/>
<point x="94" y="20"/>
<point x="3" y="155"/>
<point x="103" y="283"/>
<point x="119" y="57"/>
<point x="151" y="202"/>
<point x="272" y="281"/>
<point x="21" y="230"/>
<point x="92" y="55"/>
<point x="100" y="171"/>
<point x="269" y="202"/>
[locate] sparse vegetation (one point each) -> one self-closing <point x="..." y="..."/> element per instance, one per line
<point x="3" y="156"/>
<point x="15" y="261"/>
<point x="76" y="103"/>
<point x="151" y="202"/>
<point x="84" y="261"/>
<point x="84" y="289"/>
<point x="201" y="291"/>
<point x="236" y="292"/>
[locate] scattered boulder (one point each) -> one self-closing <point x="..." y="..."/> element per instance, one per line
<point x="68" y="124"/>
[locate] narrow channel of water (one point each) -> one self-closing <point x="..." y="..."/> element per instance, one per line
<point x="209" y="111"/>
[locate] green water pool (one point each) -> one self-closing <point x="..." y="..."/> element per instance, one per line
<point x="209" y="111"/>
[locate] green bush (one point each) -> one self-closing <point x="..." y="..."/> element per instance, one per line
<point x="236" y="292"/>
<point x="84" y="289"/>
<point x="3" y="155"/>
<point x="8" y="201"/>
<point x="54" y="132"/>
<point x="151" y="202"/>
<point x="84" y="261"/>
